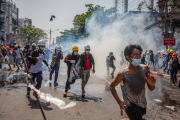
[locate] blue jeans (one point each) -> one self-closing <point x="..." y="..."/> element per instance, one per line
<point x="169" y="69"/>
<point x="156" y="63"/>
<point x="166" y="64"/>
<point x="56" y="69"/>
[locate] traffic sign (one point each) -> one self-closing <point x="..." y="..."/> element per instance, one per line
<point x="169" y="42"/>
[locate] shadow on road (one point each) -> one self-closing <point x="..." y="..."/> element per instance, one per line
<point x="34" y="104"/>
<point x="84" y="99"/>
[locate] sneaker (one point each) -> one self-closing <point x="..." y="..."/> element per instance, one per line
<point x="28" y="94"/>
<point x="34" y="94"/>
<point x="55" y="84"/>
<point x="112" y="76"/>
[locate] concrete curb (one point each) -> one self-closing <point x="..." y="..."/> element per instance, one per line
<point x="162" y="75"/>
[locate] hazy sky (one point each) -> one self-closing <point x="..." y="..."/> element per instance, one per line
<point x="64" y="10"/>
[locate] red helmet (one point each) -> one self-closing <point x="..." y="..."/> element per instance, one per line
<point x="174" y="55"/>
<point x="7" y="47"/>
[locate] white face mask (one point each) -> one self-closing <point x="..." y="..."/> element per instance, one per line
<point x="42" y="48"/>
<point x="136" y="62"/>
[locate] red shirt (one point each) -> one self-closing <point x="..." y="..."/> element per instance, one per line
<point x="87" y="62"/>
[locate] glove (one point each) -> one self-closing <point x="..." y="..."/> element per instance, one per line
<point x="72" y="61"/>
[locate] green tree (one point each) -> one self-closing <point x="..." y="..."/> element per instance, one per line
<point x="103" y="16"/>
<point x="31" y="35"/>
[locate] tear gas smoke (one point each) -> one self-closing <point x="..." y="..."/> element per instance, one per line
<point x="47" y="97"/>
<point x="115" y="36"/>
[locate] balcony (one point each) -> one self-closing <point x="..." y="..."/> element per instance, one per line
<point x="2" y="1"/>
<point x="1" y="11"/>
<point x="2" y="20"/>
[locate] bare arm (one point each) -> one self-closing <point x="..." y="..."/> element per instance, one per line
<point x="114" y="83"/>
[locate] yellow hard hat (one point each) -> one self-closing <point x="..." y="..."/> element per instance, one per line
<point x="171" y="51"/>
<point x="168" y="50"/>
<point x="15" y="46"/>
<point x="75" y="48"/>
<point x="3" y="47"/>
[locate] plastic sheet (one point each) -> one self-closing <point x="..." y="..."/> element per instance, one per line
<point x="47" y="97"/>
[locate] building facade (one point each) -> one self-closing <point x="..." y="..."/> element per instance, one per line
<point x="2" y="22"/>
<point x="23" y="22"/>
<point x="11" y="22"/>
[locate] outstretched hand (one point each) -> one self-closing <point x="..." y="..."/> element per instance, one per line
<point x="150" y="80"/>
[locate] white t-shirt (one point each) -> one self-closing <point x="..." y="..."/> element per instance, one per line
<point x="10" y="56"/>
<point x="18" y="55"/>
<point x="38" y="66"/>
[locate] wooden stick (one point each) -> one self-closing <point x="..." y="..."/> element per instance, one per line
<point x="34" y="91"/>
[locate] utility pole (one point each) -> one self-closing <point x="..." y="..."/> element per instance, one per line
<point x="50" y="39"/>
<point x="166" y="23"/>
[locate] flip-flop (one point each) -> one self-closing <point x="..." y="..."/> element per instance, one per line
<point x="83" y="95"/>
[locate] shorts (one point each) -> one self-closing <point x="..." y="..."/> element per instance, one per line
<point x="11" y="61"/>
<point x="135" y="112"/>
<point x="86" y="76"/>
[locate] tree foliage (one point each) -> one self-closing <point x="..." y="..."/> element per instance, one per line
<point x="32" y="35"/>
<point x="102" y="15"/>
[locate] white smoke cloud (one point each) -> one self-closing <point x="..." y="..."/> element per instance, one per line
<point x="114" y="37"/>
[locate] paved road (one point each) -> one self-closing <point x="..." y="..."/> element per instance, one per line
<point x="97" y="105"/>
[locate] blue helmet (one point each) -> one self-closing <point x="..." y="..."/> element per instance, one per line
<point x="14" y="43"/>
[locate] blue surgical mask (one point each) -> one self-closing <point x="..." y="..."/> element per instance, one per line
<point x="87" y="52"/>
<point x="136" y="62"/>
<point x="174" y="58"/>
<point x="76" y="53"/>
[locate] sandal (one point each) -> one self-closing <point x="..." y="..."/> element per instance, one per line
<point x="83" y="95"/>
<point x="65" y="95"/>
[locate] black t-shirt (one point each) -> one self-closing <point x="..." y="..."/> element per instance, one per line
<point x="112" y="58"/>
<point x="168" y="57"/>
<point x="175" y="65"/>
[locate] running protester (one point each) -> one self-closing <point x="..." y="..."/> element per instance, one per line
<point x="121" y="58"/>
<point x="143" y="59"/>
<point x="18" y="57"/>
<point x="156" y="59"/>
<point x="69" y="60"/>
<point x="87" y="61"/>
<point x="55" y="64"/>
<point x="1" y="60"/>
<point x="174" y="63"/>
<point x="169" y="56"/>
<point x="11" y="58"/>
<point x="36" y="58"/>
<point x="32" y="48"/>
<point x="110" y="63"/>
<point x="133" y="80"/>
<point x="3" y="51"/>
